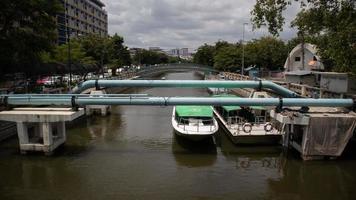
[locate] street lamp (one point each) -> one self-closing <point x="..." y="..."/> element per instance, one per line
<point x="68" y="33"/>
<point x="243" y="48"/>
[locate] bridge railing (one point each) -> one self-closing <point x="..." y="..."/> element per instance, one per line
<point x="301" y="89"/>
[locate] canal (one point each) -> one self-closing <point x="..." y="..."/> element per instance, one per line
<point x="133" y="154"/>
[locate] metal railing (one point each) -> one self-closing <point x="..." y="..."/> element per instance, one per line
<point x="235" y="120"/>
<point x="260" y="119"/>
<point x="303" y="90"/>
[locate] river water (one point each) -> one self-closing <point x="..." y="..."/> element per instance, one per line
<point x="133" y="154"/>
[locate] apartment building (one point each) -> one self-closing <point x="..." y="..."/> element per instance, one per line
<point x="81" y="17"/>
<point x="183" y="52"/>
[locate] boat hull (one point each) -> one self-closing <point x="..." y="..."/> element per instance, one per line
<point x="193" y="137"/>
<point x="253" y="138"/>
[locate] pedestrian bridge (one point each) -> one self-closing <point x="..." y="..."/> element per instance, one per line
<point x="154" y="70"/>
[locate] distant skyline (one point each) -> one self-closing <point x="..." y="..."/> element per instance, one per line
<point x="170" y="23"/>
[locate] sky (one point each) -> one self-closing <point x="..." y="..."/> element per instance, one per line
<point x="185" y="23"/>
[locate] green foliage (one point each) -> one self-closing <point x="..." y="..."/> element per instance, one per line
<point x="97" y="47"/>
<point x="227" y="58"/>
<point x="91" y="50"/>
<point x="150" y="57"/>
<point x="60" y="54"/>
<point x="270" y="12"/>
<point x="330" y="24"/>
<point x="205" y="55"/>
<point x="268" y="52"/>
<point x="27" y="28"/>
<point x="120" y="54"/>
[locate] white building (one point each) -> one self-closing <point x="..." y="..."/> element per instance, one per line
<point x="304" y="58"/>
<point x="182" y="53"/>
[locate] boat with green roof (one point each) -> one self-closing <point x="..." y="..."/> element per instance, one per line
<point x="247" y="125"/>
<point x="194" y="122"/>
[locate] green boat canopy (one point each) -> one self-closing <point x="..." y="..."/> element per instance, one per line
<point x="194" y="111"/>
<point x="229" y="108"/>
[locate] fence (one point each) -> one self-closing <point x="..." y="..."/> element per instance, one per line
<point x="303" y="90"/>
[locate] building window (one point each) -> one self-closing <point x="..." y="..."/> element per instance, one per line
<point x="297" y="59"/>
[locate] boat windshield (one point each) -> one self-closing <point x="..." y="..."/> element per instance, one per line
<point x="203" y="121"/>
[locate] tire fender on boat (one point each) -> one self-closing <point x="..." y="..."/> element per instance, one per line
<point x="268" y="127"/>
<point x="247" y="128"/>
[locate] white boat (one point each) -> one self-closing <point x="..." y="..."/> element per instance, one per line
<point x="248" y="125"/>
<point x="194" y="122"/>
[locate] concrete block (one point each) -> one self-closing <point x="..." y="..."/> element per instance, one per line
<point x="41" y="129"/>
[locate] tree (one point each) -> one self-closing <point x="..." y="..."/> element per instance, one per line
<point x="78" y="55"/>
<point x="228" y="58"/>
<point x="97" y="47"/>
<point x="27" y="28"/>
<point x="60" y="56"/>
<point x="150" y="57"/>
<point x="120" y="55"/>
<point x="205" y="55"/>
<point x="330" y="23"/>
<point x="267" y="53"/>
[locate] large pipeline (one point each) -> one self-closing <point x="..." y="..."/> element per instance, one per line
<point x="186" y="84"/>
<point x="80" y="100"/>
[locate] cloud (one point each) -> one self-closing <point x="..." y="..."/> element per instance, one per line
<point x="184" y="23"/>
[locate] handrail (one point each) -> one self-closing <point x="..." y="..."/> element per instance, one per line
<point x="303" y="90"/>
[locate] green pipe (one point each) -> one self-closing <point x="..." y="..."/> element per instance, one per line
<point x="186" y="84"/>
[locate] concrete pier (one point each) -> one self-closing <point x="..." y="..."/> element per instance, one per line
<point x="7" y="130"/>
<point x="40" y="129"/>
<point x="104" y="109"/>
<point x="318" y="134"/>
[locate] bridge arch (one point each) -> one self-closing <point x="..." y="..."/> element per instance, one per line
<point x="153" y="70"/>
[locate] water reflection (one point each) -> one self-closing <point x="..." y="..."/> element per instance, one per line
<point x="193" y="154"/>
<point x="107" y="128"/>
<point x="314" y="180"/>
<point x="250" y="156"/>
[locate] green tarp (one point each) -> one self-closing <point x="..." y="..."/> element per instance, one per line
<point x="194" y="111"/>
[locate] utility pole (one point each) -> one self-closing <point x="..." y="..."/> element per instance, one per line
<point x="102" y="62"/>
<point x="69" y="47"/>
<point x="243" y="48"/>
<point x="69" y="59"/>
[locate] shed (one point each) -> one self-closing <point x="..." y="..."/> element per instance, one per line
<point x="303" y="57"/>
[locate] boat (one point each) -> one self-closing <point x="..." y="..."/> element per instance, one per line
<point x="247" y="125"/>
<point x="194" y="122"/>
